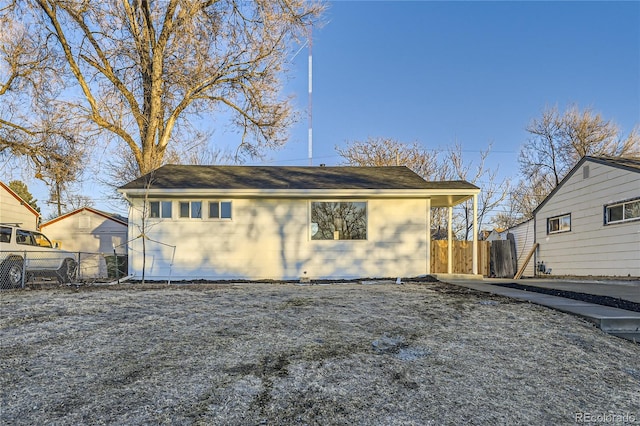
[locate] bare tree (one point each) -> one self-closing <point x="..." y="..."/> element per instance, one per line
<point x="558" y="141"/>
<point x="493" y="192"/>
<point x="34" y="125"/>
<point x="390" y="152"/>
<point x="143" y="68"/>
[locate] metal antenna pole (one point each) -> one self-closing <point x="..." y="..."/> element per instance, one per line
<point x="310" y="106"/>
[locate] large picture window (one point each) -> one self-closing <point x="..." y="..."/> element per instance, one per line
<point x="338" y="220"/>
<point x="160" y="209"/>
<point x="622" y="212"/>
<point x="559" y="224"/>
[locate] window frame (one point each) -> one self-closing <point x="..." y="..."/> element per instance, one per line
<point x="607" y="209"/>
<point x="190" y="209"/>
<point x="357" y="201"/>
<point x="219" y="209"/>
<point x="559" y="218"/>
<point x="161" y="210"/>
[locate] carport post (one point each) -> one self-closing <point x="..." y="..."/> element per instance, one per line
<point x="475" y="235"/>
<point x="428" y="236"/>
<point x="450" y="243"/>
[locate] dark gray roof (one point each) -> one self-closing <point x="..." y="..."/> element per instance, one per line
<point x="300" y="178"/>
<point x="629" y="163"/>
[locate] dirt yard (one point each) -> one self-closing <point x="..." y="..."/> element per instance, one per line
<point x="274" y="354"/>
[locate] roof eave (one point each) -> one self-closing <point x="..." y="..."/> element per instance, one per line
<point x="447" y="197"/>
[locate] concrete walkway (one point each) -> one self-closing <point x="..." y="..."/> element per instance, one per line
<point x="614" y="321"/>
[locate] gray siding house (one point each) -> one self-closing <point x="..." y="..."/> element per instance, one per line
<point x="590" y="224"/>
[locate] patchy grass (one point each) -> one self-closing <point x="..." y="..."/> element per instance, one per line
<point x="228" y="354"/>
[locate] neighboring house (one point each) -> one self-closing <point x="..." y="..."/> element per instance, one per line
<point x="92" y="233"/>
<point x="88" y="230"/>
<point x="15" y="210"/>
<point x="235" y="222"/>
<point x="496" y="235"/>
<point x="523" y="234"/>
<point x="590" y="223"/>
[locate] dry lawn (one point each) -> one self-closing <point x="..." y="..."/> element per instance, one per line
<point x="278" y="354"/>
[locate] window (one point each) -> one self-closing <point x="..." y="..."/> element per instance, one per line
<point x="622" y="212"/>
<point x="160" y="209"/>
<point x="191" y="209"/>
<point x="220" y="209"/>
<point x="24" y="237"/>
<point x="5" y="234"/>
<point x="559" y="224"/>
<point x="41" y="241"/>
<point x="338" y="221"/>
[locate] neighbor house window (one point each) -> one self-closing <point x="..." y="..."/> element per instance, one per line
<point x="338" y="221"/>
<point x="220" y="210"/>
<point x="191" y="209"/>
<point x="160" y="209"/>
<point x="559" y="224"/>
<point x="622" y="212"/>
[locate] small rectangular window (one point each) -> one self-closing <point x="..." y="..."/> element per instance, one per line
<point x="559" y="224"/>
<point x="622" y="212"/>
<point x="196" y="209"/>
<point x="160" y="209"/>
<point x="220" y="209"/>
<point x="184" y="209"/>
<point x="191" y="209"/>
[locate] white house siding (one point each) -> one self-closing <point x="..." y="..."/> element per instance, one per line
<point x="591" y="248"/>
<point x="14" y="211"/>
<point x="270" y="239"/>
<point x="92" y="235"/>
<point x="86" y="231"/>
<point x="524" y="237"/>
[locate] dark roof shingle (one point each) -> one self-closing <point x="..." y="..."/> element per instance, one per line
<point x="286" y="177"/>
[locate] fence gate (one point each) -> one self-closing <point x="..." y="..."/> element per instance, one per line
<point x="462" y="257"/>
<point x="504" y="263"/>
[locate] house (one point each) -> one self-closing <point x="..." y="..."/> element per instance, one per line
<point x="590" y="223"/>
<point x="88" y="230"/>
<point x="286" y="223"/>
<point x="496" y="234"/>
<point x="14" y="209"/>
<point x="94" y="234"/>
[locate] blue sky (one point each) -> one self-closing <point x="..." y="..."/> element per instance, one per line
<point x="476" y="73"/>
<point x="441" y="72"/>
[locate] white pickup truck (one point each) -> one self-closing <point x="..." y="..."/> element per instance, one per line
<point x="25" y="254"/>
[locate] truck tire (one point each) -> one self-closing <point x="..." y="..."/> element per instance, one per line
<point x="11" y="273"/>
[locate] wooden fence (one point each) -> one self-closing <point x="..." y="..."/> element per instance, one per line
<point x="462" y="257"/>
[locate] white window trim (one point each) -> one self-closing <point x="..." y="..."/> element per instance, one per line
<point x="621" y="203"/>
<point x="219" y="218"/>
<point x="559" y="218"/>
<point x="160" y="201"/>
<point x="189" y="216"/>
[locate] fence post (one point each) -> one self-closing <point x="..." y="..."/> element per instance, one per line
<point x="117" y="265"/>
<point x="24" y="270"/>
<point x="78" y="267"/>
